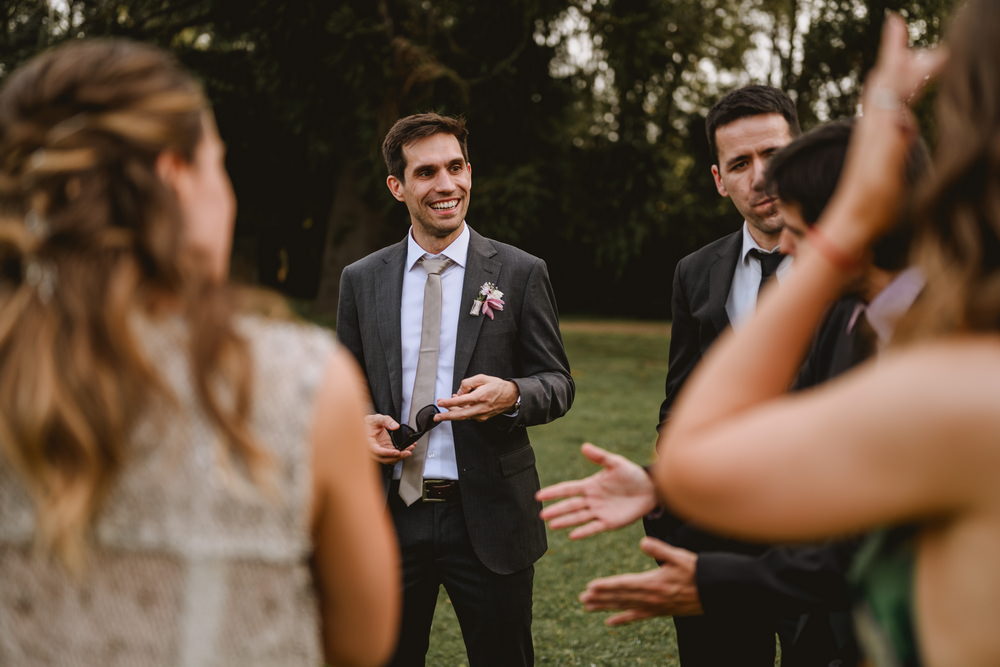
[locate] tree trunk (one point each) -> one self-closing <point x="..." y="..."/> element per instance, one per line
<point x="354" y="230"/>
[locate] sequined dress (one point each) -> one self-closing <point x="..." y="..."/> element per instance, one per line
<point x="191" y="566"/>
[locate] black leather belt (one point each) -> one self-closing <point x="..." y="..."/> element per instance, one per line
<point x="440" y="490"/>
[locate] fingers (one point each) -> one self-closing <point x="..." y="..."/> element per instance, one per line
<point x="573" y="512"/>
<point x="479" y="397"/>
<point x="629" y="616"/>
<point x="905" y="71"/>
<point x="595" y="454"/>
<point x="478" y="411"/>
<point x="471" y="383"/>
<point x="574" y="487"/>
<point x="381" y="421"/>
<point x="589" y="529"/>
<point x="568" y="519"/>
<point x="628" y="593"/>
<point x="463" y="399"/>
<point x="476" y="405"/>
<point x="658" y="549"/>
<point x="615" y="586"/>
<point x="894" y="41"/>
<point x="464" y="406"/>
<point x="389" y="454"/>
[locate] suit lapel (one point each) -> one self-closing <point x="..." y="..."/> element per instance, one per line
<point x="480" y="268"/>
<point x="390" y="299"/>
<point x="721" y="279"/>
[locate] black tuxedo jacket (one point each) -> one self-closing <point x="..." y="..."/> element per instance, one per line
<point x="702" y="281"/>
<point x="736" y="577"/>
<point x="698" y="309"/>
<point x="496" y="463"/>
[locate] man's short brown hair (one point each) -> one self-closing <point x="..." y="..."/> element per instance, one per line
<point x="411" y="128"/>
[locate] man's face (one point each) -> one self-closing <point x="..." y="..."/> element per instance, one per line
<point x="436" y="186"/>
<point x="793" y="228"/>
<point x="744" y="148"/>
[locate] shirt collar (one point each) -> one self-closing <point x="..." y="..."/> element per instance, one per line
<point x="457" y="252"/>
<point x="892" y="302"/>
<point x="749" y="244"/>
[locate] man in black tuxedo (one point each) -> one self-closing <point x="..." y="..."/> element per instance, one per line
<point x="748" y="591"/>
<point x="804" y="586"/>
<point x="714" y="288"/>
<point x="448" y="317"/>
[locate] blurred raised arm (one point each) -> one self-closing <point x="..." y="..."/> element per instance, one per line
<point x="356" y="558"/>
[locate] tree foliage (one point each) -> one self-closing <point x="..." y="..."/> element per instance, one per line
<point x="586" y="116"/>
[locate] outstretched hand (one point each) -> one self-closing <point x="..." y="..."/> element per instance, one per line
<point x="607" y="500"/>
<point x="669" y="590"/>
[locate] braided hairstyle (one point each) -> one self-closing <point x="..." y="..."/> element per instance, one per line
<point x="91" y="238"/>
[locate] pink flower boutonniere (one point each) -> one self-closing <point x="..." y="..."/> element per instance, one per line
<point x="488" y="300"/>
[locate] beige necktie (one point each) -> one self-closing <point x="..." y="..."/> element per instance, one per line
<point x="412" y="481"/>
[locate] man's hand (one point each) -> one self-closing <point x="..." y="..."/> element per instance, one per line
<point x="379" y="442"/>
<point x="669" y="590"/>
<point x="607" y="500"/>
<point x="479" y="397"/>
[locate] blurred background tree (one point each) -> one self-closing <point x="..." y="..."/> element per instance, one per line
<point x="586" y="116"/>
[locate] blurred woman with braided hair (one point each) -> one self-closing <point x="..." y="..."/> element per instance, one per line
<point x="168" y="468"/>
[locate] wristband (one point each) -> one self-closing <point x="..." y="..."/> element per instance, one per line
<point x="884" y="98"/>
<point x="831" y="251"/>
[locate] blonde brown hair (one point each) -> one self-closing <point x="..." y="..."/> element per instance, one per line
<point x="91" y="238"/>
<point x="958" y="243"/>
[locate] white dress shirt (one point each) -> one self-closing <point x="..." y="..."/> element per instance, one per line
<point x="440" y="462"/>
<point x="742" y="300"/>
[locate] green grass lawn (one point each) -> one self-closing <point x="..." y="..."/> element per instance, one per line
<point x="619" y="372"/>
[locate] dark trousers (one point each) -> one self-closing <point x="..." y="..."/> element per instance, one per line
<point x="714" y="641"/>
<point x="494" y="610"/>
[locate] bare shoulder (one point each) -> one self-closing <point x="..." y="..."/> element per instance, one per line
<point x="962" y="370"/>
<point x="947" y="390"/>
<point x="341" y="383"/>
<point x="338" y="436"/>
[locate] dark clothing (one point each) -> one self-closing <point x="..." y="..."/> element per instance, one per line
<point x="495" y="519"/>
<point x="494" y="610"/>
<point x="751" y="591"/>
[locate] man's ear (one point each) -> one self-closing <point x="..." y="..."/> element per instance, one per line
<point x="395" y="187"/>
<point x="718" y="181"/>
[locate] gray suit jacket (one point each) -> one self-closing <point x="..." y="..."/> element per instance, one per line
<point x="496" y="463"/>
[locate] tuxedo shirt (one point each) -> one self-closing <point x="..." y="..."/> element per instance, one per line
<point x="742" y="300"/>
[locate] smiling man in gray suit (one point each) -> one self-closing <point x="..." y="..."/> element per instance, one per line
<point x="447" y="316"/>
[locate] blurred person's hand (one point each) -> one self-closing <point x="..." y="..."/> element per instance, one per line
<point x="619" y="494"/>
<point x="669" y="590"/>
<point x="873" y="183"/>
